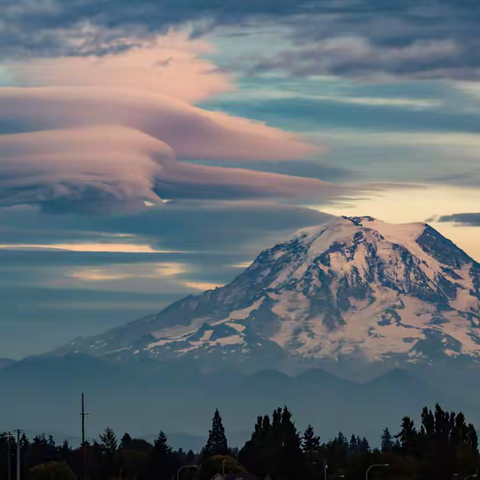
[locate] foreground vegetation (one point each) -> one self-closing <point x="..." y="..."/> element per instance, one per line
<point x="443" y="447"/>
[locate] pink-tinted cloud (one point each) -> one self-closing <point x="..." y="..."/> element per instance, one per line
<point x="171" y="65"/>
<point x="100" y="169"/>
<point x="191" y="132"/>
<point x="106" y="169"/>
<point x="108" y="134"/>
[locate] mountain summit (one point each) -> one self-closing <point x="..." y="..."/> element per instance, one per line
<point x="350" y="296"/>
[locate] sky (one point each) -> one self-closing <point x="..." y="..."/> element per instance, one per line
<point x="151" y="149"/>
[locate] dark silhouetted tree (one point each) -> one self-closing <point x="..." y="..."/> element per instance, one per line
<point x="408" y="436"/>
<point x="217" y="440"/>
<point x="363" y="446"/>
<point x="353" y="445"/>
<point x="125" y="441"/>
<point x="162" y="462"/>
<point x="109" y="441"/>
<point x="310" y="443"/>
<point x="108" y="448"/>
<point x="387" y="441"/>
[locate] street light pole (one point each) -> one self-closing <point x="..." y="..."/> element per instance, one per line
<point x="375" y="466"/>
<point x="185" y="466"/>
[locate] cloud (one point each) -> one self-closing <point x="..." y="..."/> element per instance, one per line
<point x="376" y="40"/>
<point x="80" y="169"/>
<point x="413" y="38"/>
<point x="85" y="247"/>
<point x="122" y="271"/>
<point x="328" y="114"/>
<point x="407" y="103"/>
<point x="206" y="237"/>
<point x="91" y="149"/>
<point x="241" y="228"/>
<point x="359" y="57"/>
<point x="202" y="286"/>
<point x="191" y="132"/>
<point x="467" y="219"/>
<point x="84" y="27"/>
<point x="172" y="65"/>
<point x="297" y="168"/>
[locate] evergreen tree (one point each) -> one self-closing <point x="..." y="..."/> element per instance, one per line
<point x="291" y="454"/>
<point x="51" y="442"/>
<point x="125" y="441"/>
<point x="65" y="448"/>
<point x="472" y="437"/>
<point x="161" y="447"/>
<point x="353" y="446"/>
<point x="161" y="461"/>
<point x="364" y="446"/>
<point x="311" y="443"/>
<point x="428" y="422"/>
<point x="190" y="457"/>
<point x="217" y="441"/>
<point x="337" y="450"/>
<point x="443" y="445"/>
<point x="24" y="447"/>
<point x="107" y="453"/>
<point x="36" y="450"/>
<point x="257" y="431"/>
<point x="109" y="441"/>
<point x="341" y="441"/>
<point x="253" y="453"/>
<point x="387" y="441"/>
<point x="65" y="451"/>
<point x="407" y="436"/>
<point x="140" y="445"/>
<point x="275" y="448"/>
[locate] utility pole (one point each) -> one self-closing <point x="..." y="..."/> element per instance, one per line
<point x="18" y="454"/>
<point x="9" y="455"/>
<point x="83" y="415"/>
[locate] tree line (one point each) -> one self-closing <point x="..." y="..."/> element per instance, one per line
<point x="442" y="447"/>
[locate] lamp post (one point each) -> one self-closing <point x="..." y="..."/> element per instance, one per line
<point x="375" y="466"/>
<point x="184" y="467"/>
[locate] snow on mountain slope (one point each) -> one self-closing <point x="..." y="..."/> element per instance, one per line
<point x="356" y="291"/>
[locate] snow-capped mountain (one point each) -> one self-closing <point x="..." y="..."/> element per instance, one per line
<point x="351" y="295"/>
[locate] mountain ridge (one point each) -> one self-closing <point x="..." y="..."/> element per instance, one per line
<point x="354" y="295"/>
<point x="41" y="400"/>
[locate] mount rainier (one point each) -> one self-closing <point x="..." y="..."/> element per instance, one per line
<point x="356" y="296"/>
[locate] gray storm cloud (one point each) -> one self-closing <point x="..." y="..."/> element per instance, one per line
<point x="411" y="38"/>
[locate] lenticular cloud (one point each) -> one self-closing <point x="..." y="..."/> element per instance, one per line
<point x="103" y="150"/>
<point x="100" y="169"/>
<point x="193" y="133"/>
